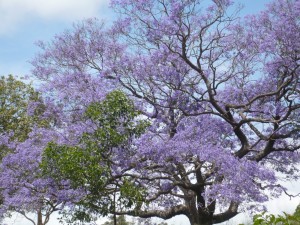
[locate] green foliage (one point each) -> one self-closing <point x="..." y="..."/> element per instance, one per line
<point x="270" y="219"/>
<point x="297" y="212"/>
<point x="15" y="97"/>
<point x="130" y="194"/>
<point x="72" y="163"/>
<point x="78" y="217"/>
<point x="88" y="164"/>
<point x="114" y="113"/>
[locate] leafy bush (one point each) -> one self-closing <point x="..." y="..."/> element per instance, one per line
<point x="271" y="219"/>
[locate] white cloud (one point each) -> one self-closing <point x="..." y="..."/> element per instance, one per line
<point x="14" y="12"/>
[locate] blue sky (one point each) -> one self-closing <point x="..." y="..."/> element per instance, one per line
<point x="23" y="22"/>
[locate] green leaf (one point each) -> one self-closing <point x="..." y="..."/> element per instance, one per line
<point x="88" y="165"/>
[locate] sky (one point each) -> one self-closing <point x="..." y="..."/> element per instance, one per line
<point x="24" y="22"/>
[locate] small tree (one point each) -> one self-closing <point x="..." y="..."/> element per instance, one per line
<point x="93" y="163"/>
<point x="15" y="120"/>
<point x="22" y="129"/>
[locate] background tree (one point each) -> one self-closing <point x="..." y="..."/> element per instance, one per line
<point x="222" y="94"/>
<point x="121" y="220"/>
<point x="16" y="97"/>
<point x="95" y="163"/>
<point x="24" y="188"/>
<point x="24" y="132"/>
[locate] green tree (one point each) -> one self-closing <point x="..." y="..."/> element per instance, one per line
<point x="88" y="164"/>
<point x="15" y="98"/>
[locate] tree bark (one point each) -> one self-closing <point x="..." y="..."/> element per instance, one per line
<point x="197" y="220"/>
<point x="39" y="218"/>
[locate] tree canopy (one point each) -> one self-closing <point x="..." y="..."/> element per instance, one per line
<point x="20" y="107"/>
<point x="221" y="94"/>
<point x="93" y="163"/>
<point x="22" y="126"/>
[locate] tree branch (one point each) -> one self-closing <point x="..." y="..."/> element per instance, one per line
<point x="231" y="212"/>
<point x="163" y="213"/>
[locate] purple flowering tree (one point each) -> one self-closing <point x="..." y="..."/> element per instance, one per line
<point x="22" y="138"/>
<point x="222" y="94"/>
<point x="24" y="188"/>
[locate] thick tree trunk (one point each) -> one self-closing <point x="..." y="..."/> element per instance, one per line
<point x="198" y="215"/>
<point x="202" y="219"/>
<point x="201" y="222"/>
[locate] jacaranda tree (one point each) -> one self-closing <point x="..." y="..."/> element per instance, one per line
<point x="221" y="92"/>
<point x="25" y="130"/>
